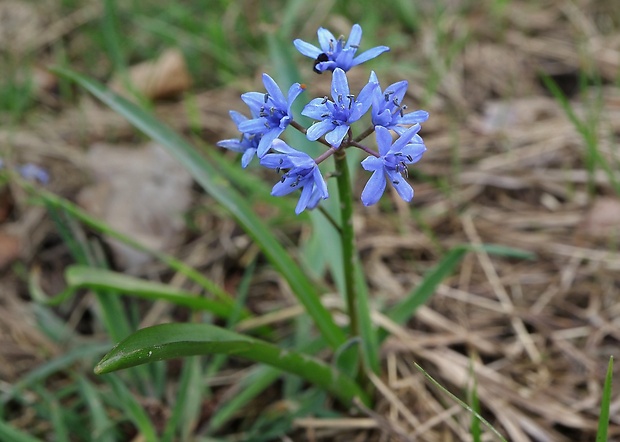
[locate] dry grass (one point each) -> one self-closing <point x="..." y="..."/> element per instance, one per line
<point x="505" y="166"/>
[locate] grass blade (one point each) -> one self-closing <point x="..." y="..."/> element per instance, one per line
<point x="9" y="433"/>
<point x="133" y="409"/>
<point x="603" y="420"/>
<point x="462" y="404"/>
<point x="209" y="178"/>
<point x="169" y="341"/>
<point x="101" y="426"/>
<point x="402" y="311"/>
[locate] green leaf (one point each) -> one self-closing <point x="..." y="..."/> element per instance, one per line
<point x="7" y="432"/>
<point x="209" y="178"/>
<point x="134" y="411"/>
<point x="101" y="426"/>
<point x="169" y="341"/>
<point x="402" y="311"/>
<point x="603" y="420"/>
<point x="87" y="277"/>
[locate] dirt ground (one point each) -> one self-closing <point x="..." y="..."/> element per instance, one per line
<point x="505" y="165"/>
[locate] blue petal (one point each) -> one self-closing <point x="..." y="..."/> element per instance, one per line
<point x="364" y="100"/>
<point x="401" y="185"/>
<point x="293" y="93"/>
<point x="418" y="116"/>
<point x="323" y="66"/>
<point x="382" y="119"/>
<point x="355" y="37"/>
<point x="405" y="138"/>
<point x="384" y="140"/>
<point x="340" y="85"/>
<point x="315" y="198"/>
<point x="275" y="161"/>
<point x="336" y="136"/>
<point x="254" y="126"/>
<point x="372" y="163"/>
<point x="237" y="117"/>
<point x="399" y="89"/>
<point x="274" y="92"/>
<point x="247" y="157"/>
<point x="344" y="60"/>
<point x="304" y="199"/>
<point x="266" y="140"/>
<point x="325" y="38"/>
<point x="374" y="188"/>
<point x="415" y="151"/>
<point x="282" y="188"/>
<point x="315" y="109"/>
<point x="255" y="101"/>
<point x="317" y="130"/>
<point x="281" y="146"/>
<point x="319" y="182"/>
<point x="370" y="54"/>
<point x="307" y="49"/>
<point x="232" y="144"/>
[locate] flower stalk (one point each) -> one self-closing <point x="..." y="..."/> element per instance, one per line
<point x="347" y="238"/>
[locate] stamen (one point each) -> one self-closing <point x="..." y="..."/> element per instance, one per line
<point x="409" y="157"/>
<point x="351" y="98"/>
<point x="266" y="97"/>
<point x="354" y="46"/>
<point x="324" y="99"/>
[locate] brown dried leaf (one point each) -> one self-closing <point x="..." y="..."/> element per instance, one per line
<point x="601" y="221"/>
<point x="163" y="78"/>
<point x="142" y="192"/>
<point x="9" y="249"/>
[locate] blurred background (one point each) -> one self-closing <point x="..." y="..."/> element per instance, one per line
<point x="522" y="152"/>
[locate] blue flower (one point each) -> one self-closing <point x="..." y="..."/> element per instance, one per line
<point x="338" y="115"/>
<point x="32" y="172"/>
<point x="247" y="144"/>
<point x="271" y="111"/>
<point x="392" y="163"/>
<point x="388" y="110"/>
<point x="302" y="173"/>
<point x="336" y="53"/>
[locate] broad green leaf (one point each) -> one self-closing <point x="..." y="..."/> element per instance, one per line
<point x="209" y="178"/>
<point x="169" y="341"/>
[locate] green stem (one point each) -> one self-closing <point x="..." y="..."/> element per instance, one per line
<point x="347" y="238"/>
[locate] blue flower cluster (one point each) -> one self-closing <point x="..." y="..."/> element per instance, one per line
<point x="271" y="115"/>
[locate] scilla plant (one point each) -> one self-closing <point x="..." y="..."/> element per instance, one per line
<point x="375" y="122"/>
